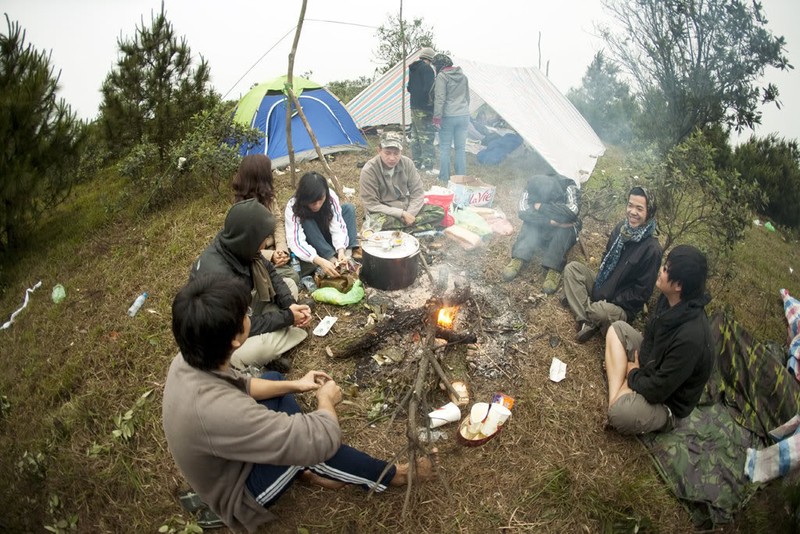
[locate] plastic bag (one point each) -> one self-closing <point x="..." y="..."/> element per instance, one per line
<point x="472" y="221"/>
<point x="331" y="295"/>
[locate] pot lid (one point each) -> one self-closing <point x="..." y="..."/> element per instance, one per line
<point x="390" y="244"/>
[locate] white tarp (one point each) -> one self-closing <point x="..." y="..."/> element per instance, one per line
<point x="522" y="96"/>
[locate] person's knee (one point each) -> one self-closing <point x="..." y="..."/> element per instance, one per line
<point x="571" y="269"/>
<point x="622" y="417"/>
<point x="348" y="210"/>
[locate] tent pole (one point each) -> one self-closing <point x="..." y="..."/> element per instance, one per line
<point x="291" y="100"/>
<point x="403" y="87"/>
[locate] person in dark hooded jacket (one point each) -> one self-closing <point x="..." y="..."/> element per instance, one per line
<point x="656" y="378"/>
<point x="627" y="273"/>
<point x="277" y="319"/>
<point x="549" y="210"/>
<point x="420" y="83"/>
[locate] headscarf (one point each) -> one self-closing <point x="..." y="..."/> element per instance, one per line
<point x="626" y="235"/>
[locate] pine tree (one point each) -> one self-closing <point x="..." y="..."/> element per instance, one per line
<point x="41" y="137"/>
<point x="154" y="89"/>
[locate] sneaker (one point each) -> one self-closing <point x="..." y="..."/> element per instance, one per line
<point x="587" y="331"/>
<point x="512" y="269"/>
<point x="551" y="282"/>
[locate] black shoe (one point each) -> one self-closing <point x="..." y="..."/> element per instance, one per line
<point x="282" y="365"/>
<point x="587" y="331"/>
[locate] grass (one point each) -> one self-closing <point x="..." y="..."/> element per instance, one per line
<point x="71" y="368"/>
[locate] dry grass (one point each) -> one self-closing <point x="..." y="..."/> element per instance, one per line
<point x="70" y="368"/>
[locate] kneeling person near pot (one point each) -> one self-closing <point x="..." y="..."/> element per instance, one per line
<point x="392" y="192"/>
<point x="241" y="441"/>
<point x="320" y="230"/>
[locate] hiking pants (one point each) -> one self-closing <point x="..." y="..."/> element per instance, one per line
<point x="423" y="135"/>
<point x="578" y="284"/>
<point x="268" y="482"/>
<point x="552" y="242"/>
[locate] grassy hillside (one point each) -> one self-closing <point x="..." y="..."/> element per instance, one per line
<point x="81" y="375"/>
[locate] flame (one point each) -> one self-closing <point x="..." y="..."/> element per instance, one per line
<point x="447" y="316"/>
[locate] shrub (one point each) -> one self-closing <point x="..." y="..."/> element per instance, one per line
<point x="774" y="164"/>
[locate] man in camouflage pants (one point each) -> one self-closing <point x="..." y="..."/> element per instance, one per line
<point x="420" y="81"/>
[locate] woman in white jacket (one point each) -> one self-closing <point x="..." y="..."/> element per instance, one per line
<point x="319" y="229"/>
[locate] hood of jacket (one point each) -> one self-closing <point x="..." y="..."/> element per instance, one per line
<point x="247" y="225"/>
<point x="454" y="74"/>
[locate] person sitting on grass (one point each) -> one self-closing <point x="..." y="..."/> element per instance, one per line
<point x="320" y="230"/>
<point x="254" y="180"/>
<point x="653" y="380"/>
<point x="236" y="251"/>
<point x="241" y="441"/>
<point x="549" y="210"/>
<point x="392" y="192"/>
<point x="627" y="273"/>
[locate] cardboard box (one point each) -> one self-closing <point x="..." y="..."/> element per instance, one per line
<point x="470" y="191"/>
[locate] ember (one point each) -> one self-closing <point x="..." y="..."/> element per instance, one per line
<point x="447" y="316"/>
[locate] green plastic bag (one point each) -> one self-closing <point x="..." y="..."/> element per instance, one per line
<point x="59" y="294"/>
<point x="466" y="218"/>
<point x="331" y="295"/>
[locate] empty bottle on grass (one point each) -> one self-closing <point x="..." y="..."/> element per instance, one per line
<point x="295" y="263"/>
<point x="137" y="304"/>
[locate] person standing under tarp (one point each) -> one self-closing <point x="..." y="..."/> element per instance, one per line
<point x="450" y="114"/>
<point x="420" y="83"/>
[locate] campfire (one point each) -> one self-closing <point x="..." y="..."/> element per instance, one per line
<point x="446" y="317"/>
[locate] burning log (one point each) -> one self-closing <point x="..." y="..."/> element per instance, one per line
<point x="361" y="341"/>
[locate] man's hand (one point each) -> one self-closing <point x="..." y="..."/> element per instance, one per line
<point x="280" y="257"/>
<point x="537" y="206"/>
<point x="634" y="364"/>
<point x="407" y="218"/>
<point x="327" y="266"/>
<point x="437" y="122"/>
<point x="302" y="314"/>
<point x="329" y="393"/>
<point x="312" y="380"/>
<point x="340" y="254"/>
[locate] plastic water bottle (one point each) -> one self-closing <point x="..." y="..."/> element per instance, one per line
<point x="137" y="304"/>
<point x="295" y="263"/>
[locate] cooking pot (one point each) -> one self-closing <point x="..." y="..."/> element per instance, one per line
<point x="389" y="260"/>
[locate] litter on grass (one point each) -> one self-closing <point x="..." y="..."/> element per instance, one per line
<point x="24" y="304"/>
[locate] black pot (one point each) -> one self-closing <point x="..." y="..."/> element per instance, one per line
<point x="390" y="268"/>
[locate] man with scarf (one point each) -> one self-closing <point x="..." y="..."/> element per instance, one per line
<point x="659" y="377"/>
<point x="277" y="319"/>
<point x="627" y="273"/>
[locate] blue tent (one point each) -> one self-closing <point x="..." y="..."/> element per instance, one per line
<point x="264" y="108"/>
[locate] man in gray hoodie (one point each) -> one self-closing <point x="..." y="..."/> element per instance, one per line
<point x="450" y="114"/>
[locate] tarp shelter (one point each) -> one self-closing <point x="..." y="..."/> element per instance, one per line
<point x="526" y="100"/>
<point x="264" y="108"/>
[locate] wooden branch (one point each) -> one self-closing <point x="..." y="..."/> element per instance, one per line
<point x="288" y="87"/>
<point x="411" y="427"/>
<point x="424" y="263"/>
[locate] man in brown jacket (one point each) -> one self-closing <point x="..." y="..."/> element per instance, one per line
<point x="241" y="441"/>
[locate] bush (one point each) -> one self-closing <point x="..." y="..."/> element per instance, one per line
<point x="700" y="203"/>
<point x="205" y="159"/>
<point x="774" y="164"/>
